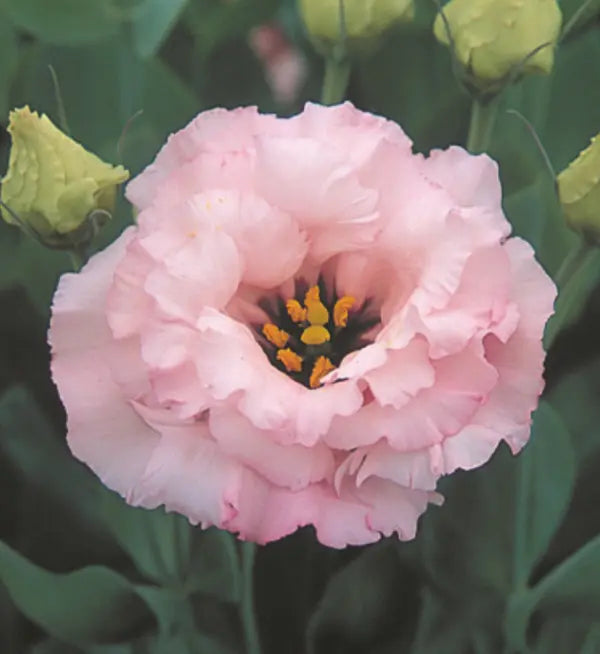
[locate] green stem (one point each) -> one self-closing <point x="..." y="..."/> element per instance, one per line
<point x="78" y="259"/>
<point x="247" y="612"/>
<point x="483" y="119"/>
<point x="520" y="572"/>
<point x="568" y="279"/>
<point x="335" y="82"/>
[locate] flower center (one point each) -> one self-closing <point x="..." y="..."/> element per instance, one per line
<point x="309" y="335"/>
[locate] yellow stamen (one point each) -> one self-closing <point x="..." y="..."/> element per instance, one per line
<point x="315" y="335"/>
<point x="340" y="310"/>
<point x="322" y="366"/>
<point x="291" y="361"/>
<point x="312" y="295"/>
<point x="316" y="311"/>
<point x="274" y="335"/>
<point x="295" y="311"/>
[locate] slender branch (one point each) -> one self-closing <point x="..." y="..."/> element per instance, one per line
<point x="60" y="105"/>
<point x="537" y="140"/>
<point x="572" y="22"/>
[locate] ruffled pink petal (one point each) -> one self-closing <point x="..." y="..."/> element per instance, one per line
<point x="470" y="448"/>
<point x="462" y="384"/>
<point x="204" y="272"/>
<point x="233" y="367"/>
<point x="358" y="363"/>
<point x="103" y="430"/>
<point x="269" y="240"/>
<point x="394" y="509"/>
<point x="481" y="304"/>
<point x="341" y="124"/>
<point x="189" y="474"/>
<point x="267" y="513"/>
<point x="179" y="389"/>
<point x="405" y="373"/>
<point x="472" y="180"/>
<point x="128" y="306"/>
<point x="218" y="130"/>
<point x="320" y="190"/>
<point x="414" y="470"/>
<point x="290" y="466"/>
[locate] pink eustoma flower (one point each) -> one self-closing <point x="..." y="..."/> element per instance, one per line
<point x="308" y="325"/>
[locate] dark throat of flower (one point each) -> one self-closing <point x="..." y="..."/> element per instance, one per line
<point x="308" y="335"/>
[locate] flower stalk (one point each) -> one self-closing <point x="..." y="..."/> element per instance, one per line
<point x="481" y="127"/>
<point x="335" y="82"/>
<point x="247" y="613"/>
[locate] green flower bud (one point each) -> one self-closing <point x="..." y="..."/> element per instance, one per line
<point x="579" y="191"/>
<point x="365" y="21"/>
<point x="493" y="38"/>
<point x="53" y="185"/>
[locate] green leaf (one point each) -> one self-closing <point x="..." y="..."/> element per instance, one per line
<point x="28" y="442"/>
<point x="500" y="517"/>
<point x="572" y="587"/>
<point x="116" y="78"/>
<point x="91" y="605"/>
<point x="214" y="565"/>
<point x="535" y="215"/>
<point x="440" y="630"/>
<point x="575" y="398"/>
<point x="157" y="542"/>
<point x="9" y="57"/>
<point x="153" y="23"/>
<point x="559" y="635"/>
<point x="370" y="602"/>
<point x="410" y="80"/>
<point x="28" y="264"/>
<point x="64" y="22"/>
<point x="573" y="297"/>
<point x="178" y="624"/>
<point x="541" y="505"/>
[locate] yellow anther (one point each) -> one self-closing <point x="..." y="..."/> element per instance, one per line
<point x="316" y="311"/>
<point x="291" y="361"/>
<point x="322" y="366"/>
<point x="315" y="335"/>
<point x="312" y="295"/>
<point x="274" y="335"/>
<point x="192" y="234"/>
<point x="295" y="310"/>
<point x="340" y="310"/>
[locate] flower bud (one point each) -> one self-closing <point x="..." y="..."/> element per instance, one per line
<point x="493" y="38"/>
<point x="579" y="191"/>
<point x="365" y="21"/>
<point x="53" y="185"/>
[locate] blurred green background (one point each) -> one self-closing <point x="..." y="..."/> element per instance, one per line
<point x="132" y="71"/>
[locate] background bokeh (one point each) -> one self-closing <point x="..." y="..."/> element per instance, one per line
<point x="132" y="71"/>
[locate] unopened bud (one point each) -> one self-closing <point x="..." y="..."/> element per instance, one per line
<point x="53" y="185"/>
<point x="493" y="39"/>
<point x="579" y="191"/>
<point x="364" y="21"/>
